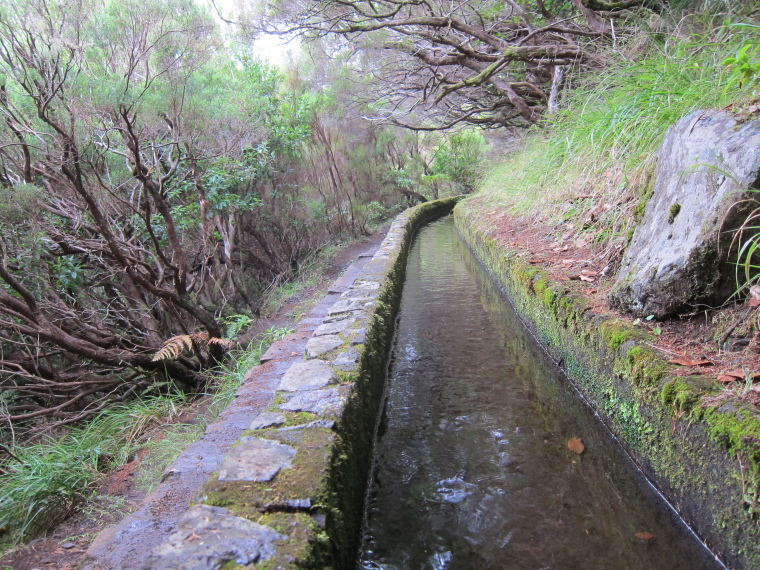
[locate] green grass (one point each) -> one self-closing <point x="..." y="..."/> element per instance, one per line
<point x="603" y="143"/>
<point x="47" y="480"/>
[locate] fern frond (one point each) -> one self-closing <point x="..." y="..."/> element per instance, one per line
<point x="223" y="342"/>
<point x="175" y="346"/>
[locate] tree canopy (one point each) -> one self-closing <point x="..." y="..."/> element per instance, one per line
<point x="492" y="63"/>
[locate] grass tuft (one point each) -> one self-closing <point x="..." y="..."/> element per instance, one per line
<point x="46" y="481"/>
<point x="600" y="150"/>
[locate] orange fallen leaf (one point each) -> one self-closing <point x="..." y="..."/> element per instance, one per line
<point x="293" y="354"/>
<point x="738" y="374"/>
<point x="645" y="536"/>
<point x="587" y="279"/>
<point x="589" y="272"/>
<point x="575" y="444"/>
<point x="725" y="378"/>
<point x="754" y="302"/>
<point x="589" y="291"/>
<point x="686" y="361"/>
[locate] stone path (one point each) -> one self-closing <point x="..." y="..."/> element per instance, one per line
<point x="164" y="522"/>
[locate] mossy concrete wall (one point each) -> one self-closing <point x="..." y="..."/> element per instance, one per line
<point x="705" y="460"/>
<point x="294" y="484"/>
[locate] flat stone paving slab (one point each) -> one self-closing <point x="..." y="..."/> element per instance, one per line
<point x="309" y="375"/>
<point x="256" y="459"/>
<point x="206" y="538"/>
<point x="344" y="306"/>
<point x="320" y="344"/>
<point x="328" y="401"/>
<point x="333" y="327"/>
<point x="267" y="419"/>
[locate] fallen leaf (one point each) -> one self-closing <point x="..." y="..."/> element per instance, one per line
<point x="645" y="536"/>
<point x="293" y="354"/>
<point x="754" y="302"/>
<point x="589" y="291"/>
<point x="586" y="278"/>
<point x="575" y="444"/>
<point x="564" y="248"/>
<point x="686" y="361"/>
<point x="589" y="272"/>
<point x="725" y="378"/>
<point x="738" y="374"/>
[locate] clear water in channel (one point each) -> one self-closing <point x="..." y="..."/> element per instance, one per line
<point x="472" y="469"/>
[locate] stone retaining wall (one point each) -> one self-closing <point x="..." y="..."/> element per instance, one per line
<point x="706" y="461"/>
<point x="290" y="493"/>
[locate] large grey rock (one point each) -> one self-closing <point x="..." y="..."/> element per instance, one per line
<point x="206" y="538"/>
<point x="256" y="459"/>
<point x="308" y="375"/>
<point x="678" y="258"/>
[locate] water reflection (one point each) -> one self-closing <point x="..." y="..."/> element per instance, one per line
<point x="472" y="466"/>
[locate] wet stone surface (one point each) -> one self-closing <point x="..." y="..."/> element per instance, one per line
<point x="329" y="401"/>
<point x="267" y="419"/>
<point x="309" y="375"/>
<point x="344" y="306"/>
<point x="346" y="361"/>
<point x="206" y="538"/>
<point x="333" y="327"/>
<point x="256" y="459"/>
<point x="320" y="344"/>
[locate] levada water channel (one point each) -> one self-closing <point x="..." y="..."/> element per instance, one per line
<point x="472" y="468"/>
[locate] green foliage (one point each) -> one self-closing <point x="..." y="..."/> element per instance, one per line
<point x="458" y="159"/>
<point x="51" y="478"/>
<point x="744" y="66"/>
<point x="606" y="136"/>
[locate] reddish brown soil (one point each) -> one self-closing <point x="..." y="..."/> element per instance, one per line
<point x="64" y="547"/>
<point x="590" y="271"/>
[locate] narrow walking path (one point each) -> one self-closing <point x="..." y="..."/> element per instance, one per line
<point x="128" y="543"/>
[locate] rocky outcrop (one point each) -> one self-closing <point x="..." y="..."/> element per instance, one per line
<point x="708" y="165"/>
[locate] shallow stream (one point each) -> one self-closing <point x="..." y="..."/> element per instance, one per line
<point x="472" y="468"/>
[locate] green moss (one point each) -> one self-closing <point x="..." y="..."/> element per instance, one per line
<point x="673" y="212"/>
<point x="685" y="394"/>
<point x="616" y="333"/>
<point x="641" y="206"/>
<point x="660" y="420"/>
<point x="643" y="368"/>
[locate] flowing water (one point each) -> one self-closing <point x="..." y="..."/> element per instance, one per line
<point x="472" y="469"/>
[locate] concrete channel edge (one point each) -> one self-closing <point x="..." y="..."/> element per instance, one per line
<point x="704" y="460"/>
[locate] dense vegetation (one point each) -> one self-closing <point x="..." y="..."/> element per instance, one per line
<point x="157" y="179"/>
